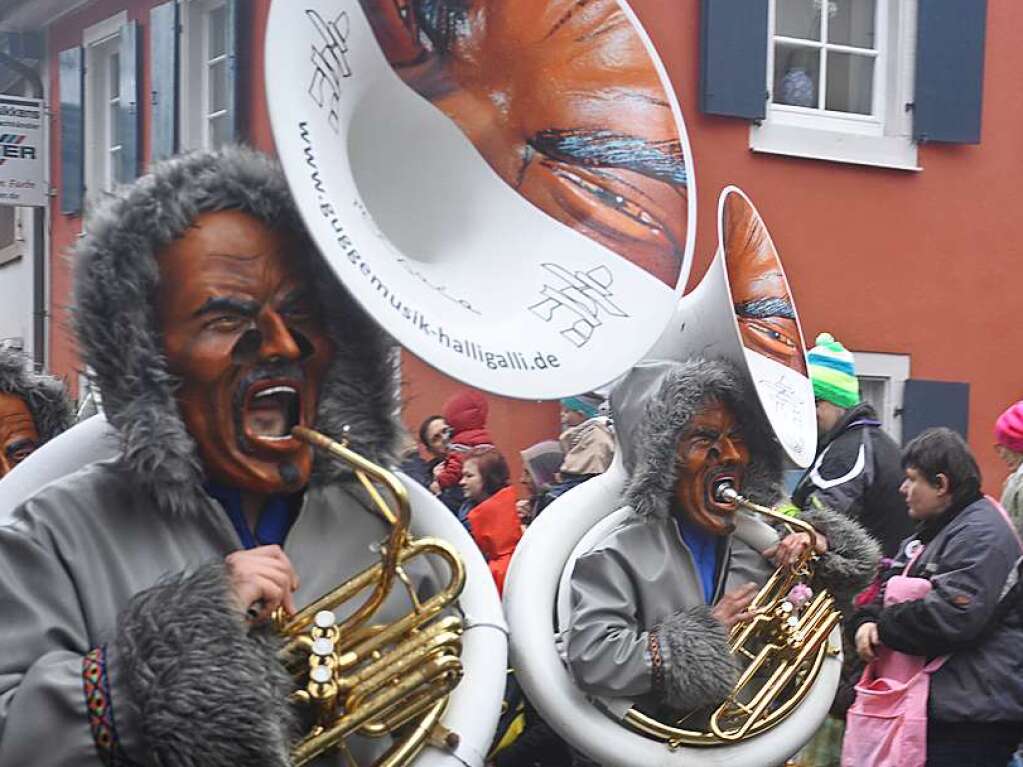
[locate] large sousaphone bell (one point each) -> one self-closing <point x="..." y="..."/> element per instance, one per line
<point x="743" y="311"/>
<point x="505" y="186"/>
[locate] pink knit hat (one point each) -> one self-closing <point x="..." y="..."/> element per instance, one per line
<point x="1009" y="428"/>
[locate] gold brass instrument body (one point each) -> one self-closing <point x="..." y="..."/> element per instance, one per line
<point x="782" y="647"/>
<point x="355" y="677"/>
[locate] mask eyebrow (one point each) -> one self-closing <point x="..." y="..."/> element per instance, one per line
<point x="705" y="433"/>
<point x="297" y="297"/>
<point x="662" y="160"/>
<point x="241" y="306"/>
<point x="762" y="308"/>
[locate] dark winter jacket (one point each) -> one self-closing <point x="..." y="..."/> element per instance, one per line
<point x="420" y="469"/>
<point x="971" y="559"/>
<point x="857" y="472"/>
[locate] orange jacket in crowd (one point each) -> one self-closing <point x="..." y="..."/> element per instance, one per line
<point x="495" y="527"/>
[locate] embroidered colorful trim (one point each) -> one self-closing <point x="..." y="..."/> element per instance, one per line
<point x="656" y="661"/>
<point x="98" y="703"/>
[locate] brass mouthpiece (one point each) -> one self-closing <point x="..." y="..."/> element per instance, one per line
<point x="725" y="492"/>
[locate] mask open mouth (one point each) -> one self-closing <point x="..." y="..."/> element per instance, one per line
<point x="271" y="410"/>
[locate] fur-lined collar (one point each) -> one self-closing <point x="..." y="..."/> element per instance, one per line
<point x="651" y="408"/>
<point x="44" y="395"/>
<point x="116" y="279"/>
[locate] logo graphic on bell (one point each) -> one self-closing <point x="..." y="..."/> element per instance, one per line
<point x="527" y="156"/>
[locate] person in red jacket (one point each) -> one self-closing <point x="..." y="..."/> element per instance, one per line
<point x="490" y="505"/>
<point x="465" y="412"/>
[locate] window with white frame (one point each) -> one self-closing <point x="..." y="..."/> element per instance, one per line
<point x="882" y="380"/>
<point x="839" y="78"/>
<point x="102" y="44"/>
<point x="826" y="54"/>
<point x="205" y="117"/>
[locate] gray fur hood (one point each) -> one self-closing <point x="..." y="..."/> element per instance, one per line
<point x="116" y="278"/>
<point x="44" y="395"/>
<point x="652" y="406"/>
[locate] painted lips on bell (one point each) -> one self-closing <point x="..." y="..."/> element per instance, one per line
<point x="271" y="408"/>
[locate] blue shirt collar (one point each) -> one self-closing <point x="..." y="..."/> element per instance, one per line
<point x="275" y="520"/>
<point x="704" y="548"/>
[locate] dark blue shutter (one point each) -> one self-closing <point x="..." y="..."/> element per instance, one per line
<point x="934" y="403"/>
<point x="733" y="58"/>
<point x="949" y="70"/>
<point x="233" y="68"/>
<point x="163" y="68"/>
<point x="128" y="113"/>
<point x="72" y="130"/>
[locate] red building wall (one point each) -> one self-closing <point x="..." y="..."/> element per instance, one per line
<point x="922" y="264"/>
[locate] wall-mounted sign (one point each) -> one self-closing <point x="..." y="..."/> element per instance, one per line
<point x="22" y="180"/>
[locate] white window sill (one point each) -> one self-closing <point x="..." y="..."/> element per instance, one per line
<point x="897" y="152"/>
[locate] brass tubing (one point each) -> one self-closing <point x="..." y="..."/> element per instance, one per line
<point x="439" y="688"/>
<point x="430" y="608"/>
<point x="311" y="747"/>
<point x="399" y="530"/>
<point x="439" y="676"/>
<point x="391" y="632"/>
<point x="434" y="637"/>
<point x="357" y="583"/>
<point x="777" y="516"/>
<point x="400" y="674"/>
<point x="405" y="751"/>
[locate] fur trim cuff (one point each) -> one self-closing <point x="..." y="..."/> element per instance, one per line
<point x="699" y="670"/>
<point x="207" y="691"/>
<point x="852" y="556"/>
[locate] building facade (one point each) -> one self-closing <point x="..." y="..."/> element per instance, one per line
<point x="878" y="139"/>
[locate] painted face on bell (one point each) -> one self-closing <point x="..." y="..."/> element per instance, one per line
<point x="18" y="435"/>
<point x="710" y="451"/>
<point x="595" y="146"/>
<point x="242" y="331"/>
<point x="763" y="305"/>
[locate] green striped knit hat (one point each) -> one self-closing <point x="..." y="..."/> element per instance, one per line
<point x="833" y="373"/>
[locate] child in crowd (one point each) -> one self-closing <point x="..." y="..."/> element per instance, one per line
<point x="465" y="413"/>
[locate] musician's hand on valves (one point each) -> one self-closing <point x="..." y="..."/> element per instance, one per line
<point x="867" y="641"/>
<point x="793" y="546"/>
<point x="262" y="579"/>
<point x="732" y="607"/>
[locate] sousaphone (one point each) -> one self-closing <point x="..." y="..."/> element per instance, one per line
<point x="506" y="187"/>
<point x="742" y="310"/>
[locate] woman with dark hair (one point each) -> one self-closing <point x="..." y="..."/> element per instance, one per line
<point x="489" y="510"/>
<point x="432" y="440"/>
<point x="967" y="551"/>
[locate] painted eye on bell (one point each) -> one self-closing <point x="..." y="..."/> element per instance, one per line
<point x="607" y="210"/>
<point x="773" y="338"/>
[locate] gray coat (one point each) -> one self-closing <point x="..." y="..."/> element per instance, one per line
<point x="185" y="680"/>
<point x="119" y="642"/>
<point x="638" y="593"/>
